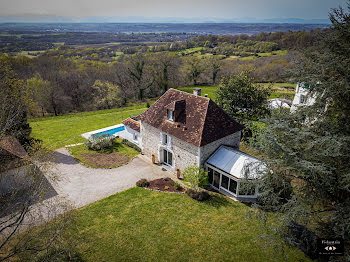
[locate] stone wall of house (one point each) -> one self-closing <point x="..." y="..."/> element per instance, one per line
<point x="184" y="154"/>
<point x="230" y="140"/>
<point x="150" y="140"/>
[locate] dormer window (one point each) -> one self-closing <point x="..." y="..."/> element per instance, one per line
<point x="170" y="115"/>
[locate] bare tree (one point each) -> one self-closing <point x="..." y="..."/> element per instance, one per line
<point x="28" y="201"/>
<point x="139" y="76"/>
<point x="165" y="69"/>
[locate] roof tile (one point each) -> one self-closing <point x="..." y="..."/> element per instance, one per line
<point x="204" y="121"/>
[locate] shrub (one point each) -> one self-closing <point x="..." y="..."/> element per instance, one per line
<point x="132" y="145"/>
<point x="196" y="177"/>
<point x="142" y="183"/>
<point x="198" y="195"/>
<point x="100" y="143"/>
<point x="177" y="186"/>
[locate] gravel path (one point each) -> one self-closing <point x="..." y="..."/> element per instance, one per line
<point x="82" y="185"/>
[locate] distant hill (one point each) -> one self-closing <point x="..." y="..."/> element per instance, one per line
<point x="140" y="19"/>
<point x="194" y="28"/>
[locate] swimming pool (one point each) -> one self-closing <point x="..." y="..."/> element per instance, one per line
<point x="111" y="131"/>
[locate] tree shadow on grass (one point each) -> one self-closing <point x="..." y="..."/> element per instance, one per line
<point x="61" y="255"/>
<point x="216" y="200"/>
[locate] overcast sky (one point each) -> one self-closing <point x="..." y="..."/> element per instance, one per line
<point x="260" y="9"/>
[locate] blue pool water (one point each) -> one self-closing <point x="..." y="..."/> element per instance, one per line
<point x="109" y="132"/>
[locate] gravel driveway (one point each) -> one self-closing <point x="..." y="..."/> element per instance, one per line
<point x="82" y="185"/>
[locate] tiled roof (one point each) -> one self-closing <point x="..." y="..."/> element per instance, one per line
<point x="11" y="145"/>
<point x="199" y="123"/>
<point x="133" y="124"/>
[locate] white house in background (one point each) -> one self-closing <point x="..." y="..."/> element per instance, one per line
<point x="277" y="103"/>
<point x="182" y="129"/>
<point x="302" y="97"/>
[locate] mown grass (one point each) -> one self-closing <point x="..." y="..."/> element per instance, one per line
<point x="56" y="132"/>
<point x="142" y="225"/>
<point x="210" y="90"/>
<point x="279" y="90"/>
<point x="117" y="147"/>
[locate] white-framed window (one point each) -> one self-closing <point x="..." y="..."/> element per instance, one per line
<point x="165" y="140"/>
<point x="170" y="115"/>
<point x="135" y="137"/>
<point x="167" y="157"/>
<point x="302" y="99"/>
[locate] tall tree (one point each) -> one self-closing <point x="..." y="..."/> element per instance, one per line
<point x="139" y="76"/>
<point x="309" y="151"/>
<point x="241" y="97"/>
<point x="193" y="69"/>
<point x="40" y="90"/>
<point x="14" y="102"/>
<point x="165" y="70"/>
<point x="107" y="94"/>
<point x="214" y="67"/>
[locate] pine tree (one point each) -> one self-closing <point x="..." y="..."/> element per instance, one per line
<point x="308" y="152"/>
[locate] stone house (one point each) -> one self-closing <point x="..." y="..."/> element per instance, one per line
<point x="182" y="129"/>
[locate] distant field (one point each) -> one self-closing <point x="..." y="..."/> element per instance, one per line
<point x="117" y="54"/>
<point x="259" y="55"/>
<point x="59" y="131"/>
<point x="30" y="54"/>
<point x="284" y="90"/>
<point x="190" y="51"/>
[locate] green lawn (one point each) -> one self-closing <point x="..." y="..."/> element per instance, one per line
<point x="142" y="225"/>
<point x="63" y="130"/>
<point x="210" y="90"/>
<point x="279" y="90"/>
<point x="117" y="147"/>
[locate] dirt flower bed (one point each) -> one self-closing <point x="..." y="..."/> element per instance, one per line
<point x="165" y="185"/>
<point x="105" y="160"/>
